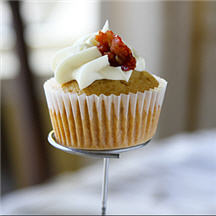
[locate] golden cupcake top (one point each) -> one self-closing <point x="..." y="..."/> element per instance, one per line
<point x="138" y="82"/>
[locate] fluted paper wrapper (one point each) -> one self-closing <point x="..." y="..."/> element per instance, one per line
<point x="104" y="122"/>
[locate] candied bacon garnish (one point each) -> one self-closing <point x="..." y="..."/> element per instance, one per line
<point x="118" y="53"/>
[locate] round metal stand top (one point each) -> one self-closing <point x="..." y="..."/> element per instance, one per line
<point x="114" y="153"/>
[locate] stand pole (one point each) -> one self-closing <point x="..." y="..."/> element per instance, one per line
<point x="105" y="186"/>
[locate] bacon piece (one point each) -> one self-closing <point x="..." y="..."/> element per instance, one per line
<point x="118" y="53"/>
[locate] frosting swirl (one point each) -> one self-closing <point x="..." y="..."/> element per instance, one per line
<point x="84" y="63"/>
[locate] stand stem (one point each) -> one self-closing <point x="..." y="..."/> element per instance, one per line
<point x="105" y="186"/>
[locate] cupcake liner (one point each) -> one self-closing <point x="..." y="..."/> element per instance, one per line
<point x="104" y="122"/>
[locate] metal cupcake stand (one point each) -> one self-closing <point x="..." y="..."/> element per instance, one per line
<point x="105" y="154"/>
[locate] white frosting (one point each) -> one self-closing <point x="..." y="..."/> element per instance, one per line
<point x="84" y="63"/>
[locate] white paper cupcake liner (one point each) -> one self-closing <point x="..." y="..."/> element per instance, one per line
<point x="104" y="122"/>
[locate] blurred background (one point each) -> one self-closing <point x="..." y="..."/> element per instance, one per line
<point x="177" y="39"/>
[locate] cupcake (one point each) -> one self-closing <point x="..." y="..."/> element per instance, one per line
<point x="101" y="97"/>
